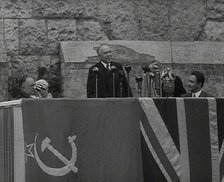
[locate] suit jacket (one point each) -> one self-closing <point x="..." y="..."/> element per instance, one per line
<point x="105" y="82"/>
<point x="203" y="94"/>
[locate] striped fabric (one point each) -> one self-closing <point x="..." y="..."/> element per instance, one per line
<point x="182" y="139"/>
<point x="6" y="143"/>
<point x="7" y="137"/>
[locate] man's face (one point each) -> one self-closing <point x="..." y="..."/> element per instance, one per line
<point x="28" y="87"/>
<point x="44" y="93"/>
<point x="193" y="85"/>
<point x="105" y="53"/>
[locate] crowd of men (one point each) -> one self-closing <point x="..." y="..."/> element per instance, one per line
<point x="107" y="79"/>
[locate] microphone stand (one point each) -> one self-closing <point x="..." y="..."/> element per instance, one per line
<point x="113" y="69"/>
<point x="157" y="83"/>
<point x="113" y="84"/>
<point x="121" y="89"/>
<point x="146" y="70"/>
<point x="96" y="71"/>
<point x="121" y="78"/>
<point x="128" y="69"/>
<point x="96" y="86"/>
<point x="139" y="80"/>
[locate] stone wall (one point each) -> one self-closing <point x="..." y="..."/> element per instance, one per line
<point x="30" y="31"/>
<point x="4" y="72"/>
<point x="4" y="81"/>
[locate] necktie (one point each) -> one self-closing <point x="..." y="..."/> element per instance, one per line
<point x="108" y="66"/>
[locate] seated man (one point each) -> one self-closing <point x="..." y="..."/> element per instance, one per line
<point x="195" y="85"/>
<point x="105" y="69"/>
<point x="26" y="85"/>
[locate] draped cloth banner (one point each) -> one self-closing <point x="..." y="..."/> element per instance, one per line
<point x="55" y="140"/>
<point x="182" y="139"/>
<point x="82" y="140"/>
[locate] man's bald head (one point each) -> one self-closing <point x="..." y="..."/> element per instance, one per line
<point x="105" y="53"/>
<point x="26" y="86"/>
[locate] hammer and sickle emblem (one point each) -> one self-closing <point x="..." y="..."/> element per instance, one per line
<point x="70" y="164"/>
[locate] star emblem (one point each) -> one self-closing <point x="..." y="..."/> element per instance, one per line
<point x="28" y="150"/>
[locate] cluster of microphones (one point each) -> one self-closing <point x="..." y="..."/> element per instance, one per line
<point x="153" y="79"/>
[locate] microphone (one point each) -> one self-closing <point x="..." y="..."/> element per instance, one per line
<point x="121" y="79"/>
<point x="155" y="66"/>
<point x="128" y="68"/>
<point x="146" y="68"/>
<point x="95" y="70"/>
<point x="139" y="80"/>
<point x="157" y="79"/>
<point x="113" y="69"/>
<point x="121" y="75"/>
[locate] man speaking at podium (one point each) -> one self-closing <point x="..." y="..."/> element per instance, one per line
<point x="107" y="78"/>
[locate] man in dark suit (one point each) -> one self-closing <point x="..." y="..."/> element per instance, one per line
<point x="195" y="85"/>
<point x="104" y="71"/>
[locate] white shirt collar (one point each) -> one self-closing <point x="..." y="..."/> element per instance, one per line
<point x="104" y="64"/>
<point x="197" y="93"/>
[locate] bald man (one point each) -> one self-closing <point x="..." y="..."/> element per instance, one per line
<point x="104" y="70"/>
<point x="26" y="85"/>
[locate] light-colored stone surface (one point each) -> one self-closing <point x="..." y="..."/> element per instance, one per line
<point x="187" y="19"/>
<point x="33" y="37"/>
<point x="80" y="51"/>
<point x="2" y="46"/>
<point x="60" y="30"/>
<point x="118" y="20"/>
<point x="16" y="9"/>
<point x="3" y="57"/>
<point x="74" y="83"/>
<point x="216" y="9"/>
<point x="152" y="18"/>
<point x="90" y="30"/>
<point x="183" y="52"/>
<point x="214" y="31"/>
<point x="11" y="32"/>
<point x="22" y="65"/>
<point x="198" y="52"/>
<point x="64" y="8"/>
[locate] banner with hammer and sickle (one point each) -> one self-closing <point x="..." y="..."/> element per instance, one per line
<point x="82" y="140"/>
<point x="69" y="164"/>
